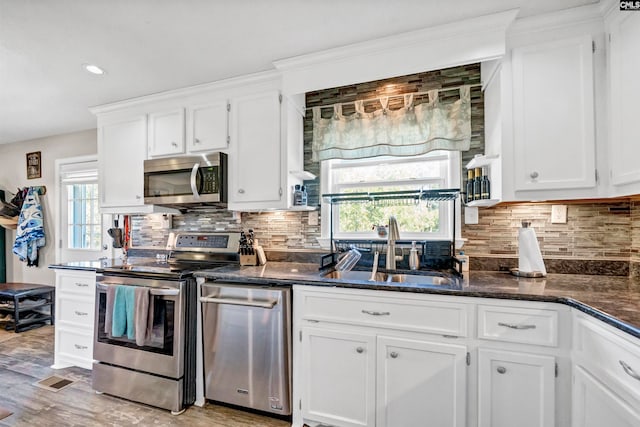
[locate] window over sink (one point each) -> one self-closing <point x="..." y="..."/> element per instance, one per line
<point x="425" y="220"/>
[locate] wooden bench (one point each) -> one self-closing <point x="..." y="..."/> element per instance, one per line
<point x="15" y="299"/>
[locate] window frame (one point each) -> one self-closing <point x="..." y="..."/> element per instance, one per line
<point x="451" y="180"/>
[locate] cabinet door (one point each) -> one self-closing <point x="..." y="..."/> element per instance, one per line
<point x="339" y="377"/>
<point x="122" y="150"/>
<point x="207" y="127"/>
<point x="624" y="61"/>
<point x="166" y="133"/>
<point x="420" y="383"/>
<point x="255" y="160"/>
<point x="553" y="115"/>
<point x="515" y="389"/>
<point x="594" y="405"/>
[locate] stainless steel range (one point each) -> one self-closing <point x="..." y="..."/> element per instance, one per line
<point x="145" y="322"/>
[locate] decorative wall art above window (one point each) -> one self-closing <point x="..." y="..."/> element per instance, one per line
<point x="409" y="131"/>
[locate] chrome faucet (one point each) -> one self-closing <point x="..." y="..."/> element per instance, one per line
<point x="394" y="234"/>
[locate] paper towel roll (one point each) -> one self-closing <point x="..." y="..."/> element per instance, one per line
<point x="529" y="255"/>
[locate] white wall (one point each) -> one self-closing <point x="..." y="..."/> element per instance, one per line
<point x="13" y="175"/>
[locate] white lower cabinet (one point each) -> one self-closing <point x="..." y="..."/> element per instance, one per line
<point x="339" y="377"/>
<point x="515" y="389"/>
<point x="363" y="379"/>
<point x="75" y="307"/>
<point x="606" y="377"/>
<point x="379" y="369"/>
<point x="420" y="383"/>
<point x="595" y="405"/>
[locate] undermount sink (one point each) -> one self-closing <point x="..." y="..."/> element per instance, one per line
<point x="414" y="279"/>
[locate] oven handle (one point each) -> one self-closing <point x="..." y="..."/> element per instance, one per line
<point x="194" y="185"/>
<point x="237" y="301"/>
<point x="152" y="291"/>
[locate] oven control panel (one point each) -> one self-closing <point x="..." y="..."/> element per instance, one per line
<point x="209" y="242"/>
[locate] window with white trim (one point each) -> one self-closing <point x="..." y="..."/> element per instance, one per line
<point x="423" y="220"/>
<point x="82" y="220"/>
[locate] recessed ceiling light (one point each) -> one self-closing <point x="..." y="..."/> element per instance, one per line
<point x="93" y="69"/>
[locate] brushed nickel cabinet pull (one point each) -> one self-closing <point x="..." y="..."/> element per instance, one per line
<point x="81" y="313"/>
<point x="360" y="350"/>
<point x="393" y="354"/>
<point x="501" y="369"/>
<point x="512" y="326"/>
<point x="82" y="285"/>
<point x="376" y="313"/>
<point x="629" y="370"/>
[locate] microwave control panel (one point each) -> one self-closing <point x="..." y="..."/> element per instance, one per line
<point x="210" y="180"/>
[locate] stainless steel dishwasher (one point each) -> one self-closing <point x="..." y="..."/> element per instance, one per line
<point x="247" y="345"/>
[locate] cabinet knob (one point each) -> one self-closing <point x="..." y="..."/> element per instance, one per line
<point x="241" y="191"/>
<point x="138" y="197"/>
<point x="196" y="141"/>
<point x="534" y="175"/>
<point x="393" y="354"/>
<point x="360" y="349"/>
<point x="174" y="144"/>
<point x="501" y="369"/>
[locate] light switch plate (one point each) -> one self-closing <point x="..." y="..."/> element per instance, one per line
<point x="470" y="215"/>
<point x="558" y="214"/>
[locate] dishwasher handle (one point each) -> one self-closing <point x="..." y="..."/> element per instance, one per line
<point x="238" y="301"/>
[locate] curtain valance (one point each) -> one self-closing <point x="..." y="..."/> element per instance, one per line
<point x="409" y="131"/>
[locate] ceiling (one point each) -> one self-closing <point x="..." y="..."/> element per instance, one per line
<point x="149" y="46"/>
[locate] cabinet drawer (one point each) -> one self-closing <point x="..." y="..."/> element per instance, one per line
<point x="79" y="284"/>
<point x="73" y="344"/>
<point x="435" y="317"/>
<point x="608" y="355"/>
<point x="76" y="311"/>
<point x="518" y="325"/>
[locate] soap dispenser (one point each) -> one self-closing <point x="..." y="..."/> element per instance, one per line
<point x="414" y="261"/>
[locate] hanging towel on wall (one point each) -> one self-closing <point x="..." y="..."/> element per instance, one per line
<point x="30" y="235"/>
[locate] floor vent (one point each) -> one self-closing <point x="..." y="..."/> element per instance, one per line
<point x="54" y="383"/>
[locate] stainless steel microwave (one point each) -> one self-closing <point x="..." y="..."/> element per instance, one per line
<point x="188" y="180"/>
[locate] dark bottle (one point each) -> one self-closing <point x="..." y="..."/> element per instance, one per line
<point x="469" y="188"/>
<point x="477" y="190"/>
<point x="485" y="185"/>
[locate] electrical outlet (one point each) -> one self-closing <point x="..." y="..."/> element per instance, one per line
<point x="558" y="214"/>
<point x="470" y="215"/>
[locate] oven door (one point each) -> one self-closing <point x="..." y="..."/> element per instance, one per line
<point x="163" y="353"/>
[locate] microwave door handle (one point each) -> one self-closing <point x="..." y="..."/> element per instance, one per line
<point x="194" y="176"/>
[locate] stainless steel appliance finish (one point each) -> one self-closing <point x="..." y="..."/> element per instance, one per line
<point x="186" y="181"/>
<point x="162" y="371"/>
<point x="247" y="345"/>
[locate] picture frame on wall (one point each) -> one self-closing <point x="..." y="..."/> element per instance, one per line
<point x="34" y="169"/>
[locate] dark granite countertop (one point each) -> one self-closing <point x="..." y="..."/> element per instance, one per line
<point x="613" y="299"/>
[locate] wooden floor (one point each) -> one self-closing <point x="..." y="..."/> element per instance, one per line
<point x="26" y="357"/>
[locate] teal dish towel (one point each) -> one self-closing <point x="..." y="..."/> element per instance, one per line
<point x="122" y="321"/>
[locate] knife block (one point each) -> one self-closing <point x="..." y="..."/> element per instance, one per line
<point x="248" y="259"/>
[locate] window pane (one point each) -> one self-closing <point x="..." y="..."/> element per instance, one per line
<point x="412" y="217"/>
<point x="84" y="220"/>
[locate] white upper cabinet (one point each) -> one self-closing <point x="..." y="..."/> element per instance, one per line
<point x="265" y="145"/>
<point x="166" y="133"/>
<point x="256" y="150"/>
<point x="121" y="153"/>
<point x="624" y="87"/>
<point x="553" y="115"/>
<point x="207" y="127"/>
